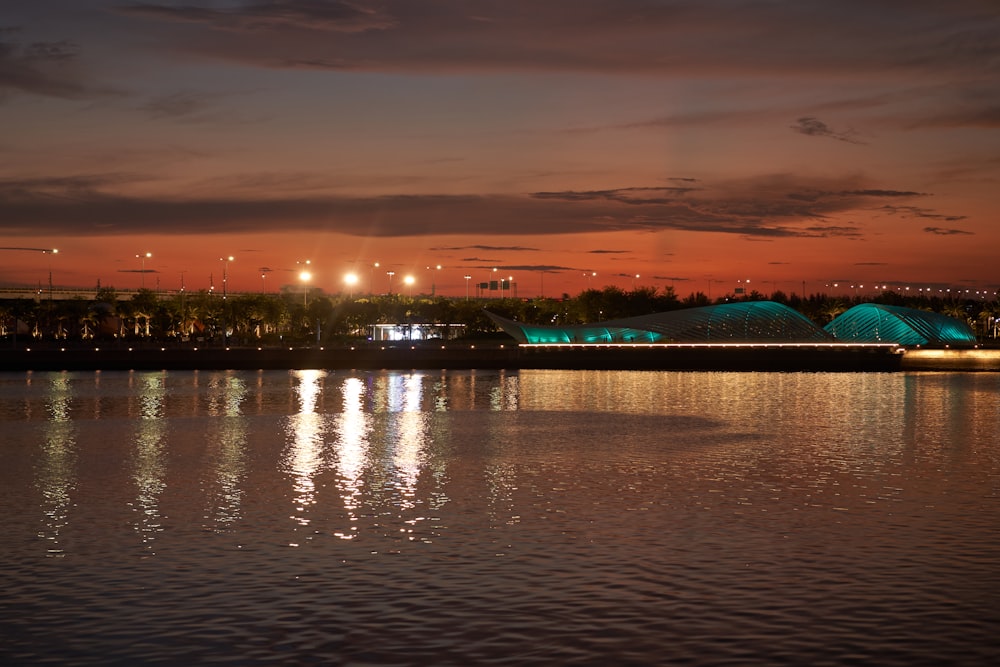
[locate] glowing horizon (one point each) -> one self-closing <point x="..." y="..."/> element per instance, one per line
<point x="570" y="145"/>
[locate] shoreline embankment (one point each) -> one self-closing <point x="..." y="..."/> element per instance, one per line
<point x="466" y="356"/>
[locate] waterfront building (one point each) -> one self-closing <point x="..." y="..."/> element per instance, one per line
<point x="877" y="323"/>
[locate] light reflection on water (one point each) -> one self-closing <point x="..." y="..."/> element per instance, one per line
<point x="469" y="517"/>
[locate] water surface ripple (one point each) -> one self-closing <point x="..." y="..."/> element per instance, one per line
<point x="537" y="517"/>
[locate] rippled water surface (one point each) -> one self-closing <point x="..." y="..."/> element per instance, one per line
<point x="540" y="517"/>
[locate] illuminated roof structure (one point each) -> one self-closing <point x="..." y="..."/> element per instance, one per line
<point x="742" y="322"/>
<point x="875" y="323"/>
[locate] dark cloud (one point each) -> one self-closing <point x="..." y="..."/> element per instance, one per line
<point x="277" y="15"/>
<point x="176" y="105"/>
<point x="782" y="206"/>
<point x="609" y="252"/>
<point x="633" y="36"/>
<point x="917" y="212"/>
<point x="871" y="264"/>
<point x="814" y="127"/>
<point x="42" y="68"/>
<point x="537" y="268"/>
<point x="946" y="232"/>
<point x="514" y="248"/>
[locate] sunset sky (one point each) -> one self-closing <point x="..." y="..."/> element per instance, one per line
<point x="695" y="143"/>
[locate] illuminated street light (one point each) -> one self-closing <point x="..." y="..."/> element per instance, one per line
<point x="305" y="277"/>
<point x="143" y="265"/>
<point x="409" y="280"/>
<point x="225" y="273"/>
<point x="225" y="279"/>
<point x="390" y="274"/>
<point x="371" y="277"/>
<point x="467" y="279"/>
<point x="351" y="279"/>
<point x="54" y="251"/>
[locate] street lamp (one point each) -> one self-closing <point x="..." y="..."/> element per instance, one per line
<point x="351" y="279"/>
<point x="305" y="277"/>
<point x="225" y="273"/>
<point x="143" y="259"/>
<point x="409" y="280"/>
<point x="467" y="279"/>
<point x="371" y="278"/>
<point x="225" y="279"/>
<point x="390" y="274"/>
<point x="636" y="277"/>
<point x="54" y="251"/>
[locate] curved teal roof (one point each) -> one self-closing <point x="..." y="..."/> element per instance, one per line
<point x="741" y="322"/>
<point x="877" y="323"/>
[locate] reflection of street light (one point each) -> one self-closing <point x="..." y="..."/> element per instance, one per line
<point x="143" y="258"/>
<point x="467" y="279"/>
<point x="351" y="279"/>
<point x="409" y="280"/>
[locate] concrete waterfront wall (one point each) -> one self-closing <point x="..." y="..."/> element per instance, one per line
<point x="458" y="356"/>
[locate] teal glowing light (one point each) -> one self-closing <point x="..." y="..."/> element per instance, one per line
<point x="876" y="323"/>
<point x="743" y="322"/>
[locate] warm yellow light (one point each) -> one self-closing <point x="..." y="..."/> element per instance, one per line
<point x="409" y="280"/>
<point x="351" y="279"/>
<point x="305" y="276"/>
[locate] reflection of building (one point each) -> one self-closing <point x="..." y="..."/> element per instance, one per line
<point x="754" y="322"/>
<point x="875" y="323"/>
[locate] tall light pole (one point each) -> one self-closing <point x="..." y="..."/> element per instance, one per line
<point x="390" y="274"/>
<point x="225" y="273"/>
<point x="371" y="278"/>
<point x="143" y="257"/>
<point x="54" y="251"/>
<point x="351" y="279"/>
<point x="225" y="278"/>
<point x="305" y="277"/>
<point x="467" y="279"/>
<point x="634" y="278"/>
<point x="409" y="280"/>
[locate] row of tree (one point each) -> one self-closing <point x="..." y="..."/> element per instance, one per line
<point x="288" y="317"/>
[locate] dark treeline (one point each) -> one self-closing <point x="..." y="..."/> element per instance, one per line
<point x="289" y="317"/>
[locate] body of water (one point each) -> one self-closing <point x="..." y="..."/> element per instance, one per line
<point x="533" y="517"/>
